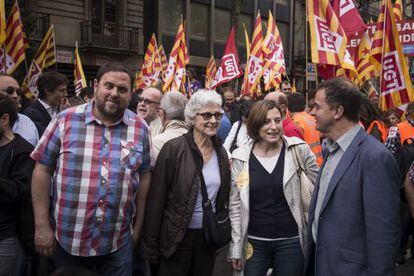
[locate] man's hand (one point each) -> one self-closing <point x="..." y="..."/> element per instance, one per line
<point x="45" y="241"/>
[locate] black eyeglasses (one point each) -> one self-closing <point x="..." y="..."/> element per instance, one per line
<point x="146" y="101"/>
<point x="11" y="90"/>
<point x="207" y="116"/>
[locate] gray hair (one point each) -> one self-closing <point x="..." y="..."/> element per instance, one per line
<point x="199" y="100"/>
<point x="173" y="103"/>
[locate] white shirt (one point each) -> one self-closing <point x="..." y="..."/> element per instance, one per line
<point x="243" y="139"/>
<point x="27" y="129"/>
<point x="52" y="111"/>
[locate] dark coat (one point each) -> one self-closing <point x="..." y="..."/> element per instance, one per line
<point x="172" y="196"/>
<point x="39" y="115"/>
<point x="359" y="225"/>
<point x="15" y="179"/>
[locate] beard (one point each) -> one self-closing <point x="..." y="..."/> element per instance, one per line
<point x="109" y="113"/>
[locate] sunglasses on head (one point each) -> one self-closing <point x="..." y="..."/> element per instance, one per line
<point x="207" y="115"/>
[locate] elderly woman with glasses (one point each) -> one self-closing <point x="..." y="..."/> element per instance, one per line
<point x="173" y="226"/>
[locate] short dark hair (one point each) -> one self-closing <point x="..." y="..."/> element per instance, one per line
<point x="87" y="91"/>
<point x="342" y="92"/>
<point x="296" y="102"/>
<point x="283" y="82"/>
<point x="114" y="66"/>
<point x="257" y="117"/>
<point x="49" y="81"/>
<point x="7" y="106"/>
<point x="228" y="89"/>
<point x="245" y="107"/>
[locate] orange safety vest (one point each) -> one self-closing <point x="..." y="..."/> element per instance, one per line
<point x="311" y="136"/>
<point x="382" y="128"/>
<point x="406" y="131"/>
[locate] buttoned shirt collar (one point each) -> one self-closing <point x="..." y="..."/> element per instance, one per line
<point x="344" y="141"/>
<point x="52" y="111"/>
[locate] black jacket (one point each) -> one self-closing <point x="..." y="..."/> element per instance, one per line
<point x="172" y="196"/>
<point x="15" y="181"/>
<point x="39" y="115"/>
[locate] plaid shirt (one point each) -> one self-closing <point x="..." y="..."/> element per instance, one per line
<point x="95" y="179"/>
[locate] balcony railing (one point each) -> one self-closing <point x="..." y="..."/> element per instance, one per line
<point x="38" y="25"/>
<point x="110" y="36"/>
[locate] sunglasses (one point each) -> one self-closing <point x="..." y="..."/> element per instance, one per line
<point x="146" y="101"/>
<point x="207" y="116"/>
<point x="11" y="90"/>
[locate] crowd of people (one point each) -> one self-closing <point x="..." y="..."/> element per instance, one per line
<point x="115" y="181"/>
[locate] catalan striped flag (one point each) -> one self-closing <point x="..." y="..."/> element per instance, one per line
<point x="245" y="85"/>
<point x="256" y="62"/>
<point x="174" y="78"/>
<point x="14" y="44"/>
<point x="274" y="58"/>
<point x="211" y="71"/>
<point x="398" y="10"/>
<point x="366" y="70"/>
<point x="395" y="83"/>
<point x="2" y="22"/>
<point x="151" y="71"/>
<point x="79" y="80"/>
<point x="163" y="59"/>
<point x="45" y="57"/>
<point x="328" y="39"/>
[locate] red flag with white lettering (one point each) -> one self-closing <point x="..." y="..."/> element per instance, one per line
<point x="348" y="16"/>
<point x="230" y="66"/>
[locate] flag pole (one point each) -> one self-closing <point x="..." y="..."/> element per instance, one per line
<point x="382" y="54"/>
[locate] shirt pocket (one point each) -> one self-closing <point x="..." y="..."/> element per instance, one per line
<point x="131" y="155"/>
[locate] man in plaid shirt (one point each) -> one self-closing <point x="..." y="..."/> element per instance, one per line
<point x="99" y="156"/>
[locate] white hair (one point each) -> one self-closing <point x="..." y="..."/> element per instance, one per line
<point x="199" y="100"/>
<point x="173" y="103"/>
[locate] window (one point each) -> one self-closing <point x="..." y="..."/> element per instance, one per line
<point x="223" y="24"/>
<point x="284" y="31"/>
<point x="103" y="12"/>
<point x="199" y="24"/>
<point x="172" y="10"/>
<point x="247" y="21"/>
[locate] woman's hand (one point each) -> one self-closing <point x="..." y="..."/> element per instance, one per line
<point x="237" y="264"/>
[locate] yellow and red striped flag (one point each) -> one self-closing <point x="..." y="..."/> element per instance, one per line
<point x="256" y="62"/>
<point x="328" y="38"/>
<point x="174" y="78"/>
<point x="15" y="43"/>
<point x="398" y="10"/>
<point x="211" y="71"/>
<point x="245" y="86"/>
<point x="387" y="56"/>
<point x="366" y="70"/>
<point x="2" y="22"/>
<point x="45" y="57"/>
<point x="274" y="58"/>
<point x="79" y="80"/>
<point x="151" y="71"/>
<point x="163" y="59"/>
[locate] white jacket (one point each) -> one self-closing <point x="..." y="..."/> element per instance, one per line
<point x="239" y="193"/>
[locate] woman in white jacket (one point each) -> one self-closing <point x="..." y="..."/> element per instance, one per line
<point x="266" y="210"/>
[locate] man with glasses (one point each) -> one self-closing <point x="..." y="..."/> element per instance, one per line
<point x="148" y="102"/>
<point x="401" y="132"/>
<point x="23" y="125"/>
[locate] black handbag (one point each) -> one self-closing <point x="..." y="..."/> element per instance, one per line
<point x="216" y="226"/>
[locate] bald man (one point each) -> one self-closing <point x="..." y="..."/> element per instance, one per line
<point x="148" y="103"/>
<point x="289" y="127"/>
<point x="23" y="126"/>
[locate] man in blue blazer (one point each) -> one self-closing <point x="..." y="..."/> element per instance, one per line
<point x="354" y="212"/>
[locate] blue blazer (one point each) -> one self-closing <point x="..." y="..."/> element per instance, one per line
<point x="359" y="224"/>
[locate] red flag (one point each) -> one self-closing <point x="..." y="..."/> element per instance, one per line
<point x="230" y="67"/>
<point x="348" y="16"/>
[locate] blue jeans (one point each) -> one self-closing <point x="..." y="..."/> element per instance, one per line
<point x="284" y="256"/>
<point x="118" y="263"/>
<point x="11" y="257"/>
